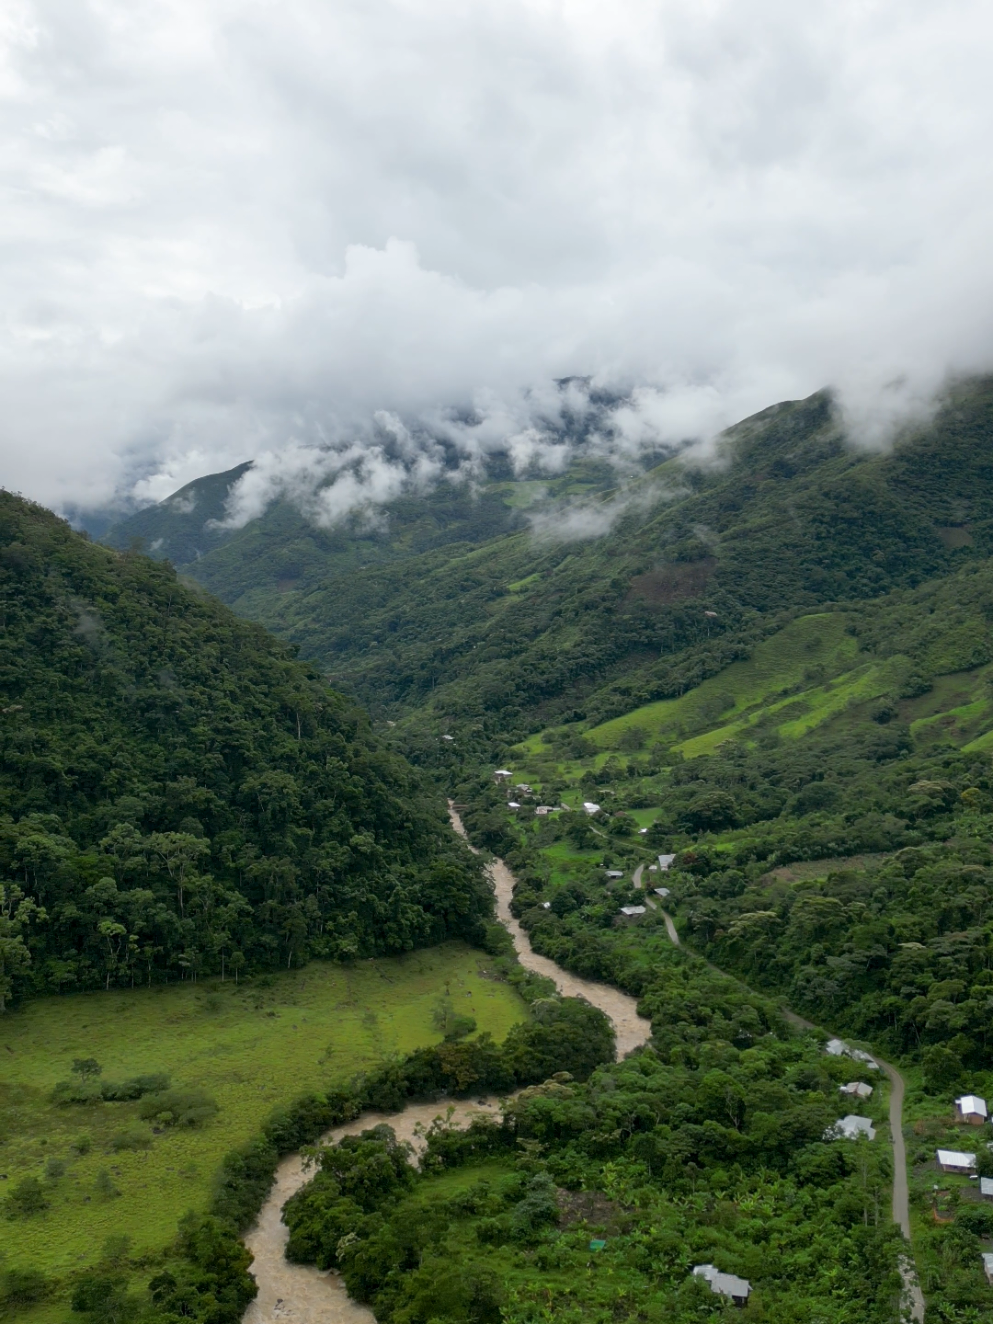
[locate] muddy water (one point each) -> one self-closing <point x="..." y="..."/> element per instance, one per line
<point x="298" y="1294"/>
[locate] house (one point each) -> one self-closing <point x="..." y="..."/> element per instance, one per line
<point x="632" y="910"/>
<point x="590" y="807"/>
<point x="541" y="810"/>
<point x="546" y="905"/>
<point x="988" y="1266"/>
<point x="953" y="1160"/>
<point x="857" y="1087"/>
<point x="662" y="892"/>
<point x="725" y="1284"/>
<point x="615" y="873"/>
<point x="972" y="1109"/>
<point x="986" y="1188"/>
<point x="448" y="737"/>
<point x="643" y="831"/>
<point x="838" y="1048"/>
<point x="502" y="774"/>
<point x="523" y="786"/>
<point x="512" y="804"/>
<point x="665" y="861"/>
<point x="851" y="1128"/>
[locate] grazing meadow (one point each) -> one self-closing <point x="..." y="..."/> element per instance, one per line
<point x="105" y="1170"/>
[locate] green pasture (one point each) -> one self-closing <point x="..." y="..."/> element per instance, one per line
<point x="810" y="648"/>
<point x="250" y="1047"/>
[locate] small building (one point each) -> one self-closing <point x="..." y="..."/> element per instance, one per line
<point x="725" y="1284"/>
<point x="590" y="807"/>
<point x="615" y="873"/>
<point x="838" y="1048"/>
<point x="512" y="804"/>
<point x="954" y="1160"/>
<point x="632" y="910"/>
<point x="988" y="1266"/>
<point x="851" y="1128"/>
<point x="986" y="1188"/>
<point x="665" y="861"/>
<point x="858" y="1088"/>
<point x="448" y="737"/>
<point x="546" y="905"/>
<point x="502" y="774"/>
<point x="523" y="786"/>
<point x="642" y="831"/>
<point x="972" y="1109"/>
<point x="542" y="810"/>
<point x="663" y="892"/>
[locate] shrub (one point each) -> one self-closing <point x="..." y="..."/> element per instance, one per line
<point x="22" y="1287"/>
<point x="133" y="1137"/>
<point x="190" y="1107"/>
<point x="55" y="1168"/>
<point x="27" y="1198"/>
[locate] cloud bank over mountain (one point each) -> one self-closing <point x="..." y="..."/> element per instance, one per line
<point x="250" y="230"/>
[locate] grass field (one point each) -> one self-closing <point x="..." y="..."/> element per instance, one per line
<point x="250" y="1047"/>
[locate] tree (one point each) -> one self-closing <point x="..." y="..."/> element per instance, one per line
<point x="16" y="912"/>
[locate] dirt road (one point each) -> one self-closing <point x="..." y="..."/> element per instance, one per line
<point x="913" y="1297"/>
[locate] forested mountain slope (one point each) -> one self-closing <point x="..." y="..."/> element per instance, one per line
<point x="177" y="792"/>
<point x="472" y="624"/>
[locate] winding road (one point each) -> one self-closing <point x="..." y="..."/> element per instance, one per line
<point x="300" y="1294"/>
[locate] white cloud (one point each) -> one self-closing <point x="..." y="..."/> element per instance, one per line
<point x="237" y="230"/>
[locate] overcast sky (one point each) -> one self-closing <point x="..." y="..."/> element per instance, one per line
<point x="243" y="227"/>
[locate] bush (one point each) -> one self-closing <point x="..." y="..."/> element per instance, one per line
<point x="22" y="1287"/>
<point x="134" y="1137"/>
<point x="27" y="1198"/>
<point x="190" y="1107"/>
<point x="55" y="1168"/>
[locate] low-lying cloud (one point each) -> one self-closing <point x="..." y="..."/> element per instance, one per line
<point x="362" y="243"/>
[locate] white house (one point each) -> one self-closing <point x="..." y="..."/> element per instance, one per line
<point x="988" y="1266"/>
<point x="850" y="1128"/>
<point x="448" y="737"/>
<point x="502" y="774"/>
<point x="972" y="1109"/>
<point x="857" y="1087"/>
<point x="615" y="873"/>
<point x="523" y="786"/>
<point x="986" y="1188"/>
<point x="724" y="1284"/>
<point x="665" y="861"/>
<point x="632" y="910"/>
<point x="953" y="1160"/>
<point x="512" y="804"/>
<point x="663" y="892"/>
<point x="838" y="1048"/>
<point x="545" y="809"/>
<point x="590" y="807"/>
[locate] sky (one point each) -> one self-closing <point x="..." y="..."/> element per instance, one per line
<point x="325" y="235"/>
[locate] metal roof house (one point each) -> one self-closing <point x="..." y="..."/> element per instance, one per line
<point x="857" y="1087"/>
<point x="665" y="861"/>
<point x="953" y="1160"/>
<point x="972" y="1109"/>
<point x="590" y="807"/>
<point x="725" y="1284"/>
<point x="502" y="774"/>
<point x="986" y="1188"/>
<point x="632" y="910"/>
<point x="988" y="1266"/>
<point x="662" y="892"/>
<point x="838" y="1048"/>
<point x="850" y="1128"/>
<point x="615" y="873"/>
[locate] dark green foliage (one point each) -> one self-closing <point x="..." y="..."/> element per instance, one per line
<point x="27" y="1198"/>
<point x="175" y="788"/>
<point x="211" y="1284"/>
<point x="183" y="1107"/>
<point x="22" y="1287"/>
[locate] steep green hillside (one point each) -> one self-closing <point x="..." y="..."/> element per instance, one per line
<point x="178" y="794"/>
<point x="515" y="631"/>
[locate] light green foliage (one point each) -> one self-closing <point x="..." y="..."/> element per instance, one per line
<point x="263" y="1045"/>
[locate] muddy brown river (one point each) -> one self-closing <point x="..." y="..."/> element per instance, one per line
<point x="299" y="1294"/>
